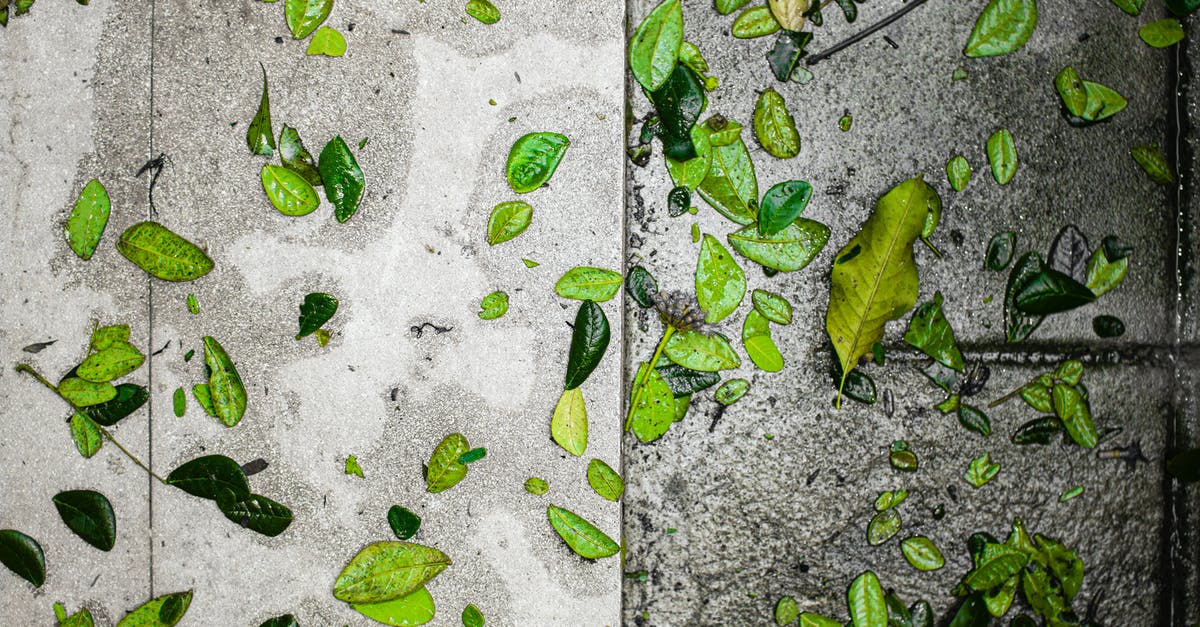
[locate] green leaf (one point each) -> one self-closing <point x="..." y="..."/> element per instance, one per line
<point x="731" y="391"/>
<point x="1182" y="8"/>
<point x="883" y="526"/>
<point x="163" y="254"/>
<point x="774" y="126"/>
<point x="533" y="159"/>
<point x="304" y="16"/>
<point x="86" y="223"/>
<point x="1072" y="91"/>
<point x="327" y="41"/>
<point x="1002" y="156"/>
<point x="255" y="512"/>
<point x="508" y="220"/>
<point x="865" y="597"/>
<point x="224" y="384"/>
<point x="296" y="157"/>
<point x="654" y="48"/>
<point x="582" y="536"/>
<point x="1000" y="251"/>
<point x="209" y="476"/>
<point x="1003" y="27"/>
<point x="471" y="616"/>
<point x="414" y="608"/>
<point x="641" y="286"/>
<point x="484" y="11"/>
<point x="785" y="55"/>
<point x="789" y="13"/>
<point x="342" y="178"/>
<point x="1050" y="291"/>
<point x="809" y="619"/>
<point x="755" y="22"/>
<point x="684" y="381"/>
<point x="679" y="103"/>
<point x="83" y="393"/>
<point x="782" y="204"/>
<point x="1104" y="275"/>
<point x="404" y="522"/>
<point x="82" y="618"/>
<point x="973" y="419"/>
<point x="1086" y="102"/>
<point x="998" y="564"/>
<point x="725" y="7"/>
<point x="588" y="283"/>
<point x="352" y="467"/>
<point x="958" y="172"/>
<point x="690" y="173"/>
<point x="788" y="250"/>
<point x="922" y="553"/>
<point x="772" y="306"/>
<point x="1072" y="409"/>
<point x="654" y="411"/>
<point x="1037" y="431"/>
<point x="930" y="332"/>
<point x="569" y="425"/>
<point x="104" y="337"/>
<point x="1153" y="163"/>
<point x="874" y="278"/>
<point x="981" y="471"/>
<point x="204" y="398"/>
<point x="536" y="486"/>
<point x="287" y="620"/>
<point x="1185" y="466"/>
<point x="260" y="136"/>
<point x="756" y="338"/>
<point x="473" y="455"/>
<point x="115" y="361"/>
<point x="384" y="571"/>
<point x="589" y="340"/>
<point x="730" y="185"/>
<point x="786" y="611"/>
<point x="86" y="435"/>
<point x="89" y="515"/>
<point x="493" y="305"/>
<point x="1132" y="7"/>
<point x="720" y="281"/>
<point x="164" y="611"/>
<point x="704" y="353"/>
<point x="291" y="194"/>
<point x="23" y="556"/>
<point x="1018" y="325"/>
<point x="1162" y="34"/>
<point x="179" y="402"/>
<point x="444" y="471"/>
<point x="605" y="481"/>
<point x="315" y="311"/>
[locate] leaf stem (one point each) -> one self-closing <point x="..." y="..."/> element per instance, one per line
<point x="640" y="385"/>
<point x="870" y="30"/>
<point x="27" y="369"/>
<point x="1007" y="397"/>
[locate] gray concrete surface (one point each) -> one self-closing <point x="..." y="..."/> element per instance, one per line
<point x="760" y="518"/>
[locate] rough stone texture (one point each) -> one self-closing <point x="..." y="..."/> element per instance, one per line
<point x="760" y="518"/>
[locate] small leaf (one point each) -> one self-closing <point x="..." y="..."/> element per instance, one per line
<point x="82" y="618"/>
<point x="678" y="103"/>
<point x="654" y="48"/>
<point x="922" y="553"/>
<point x="1153" y="163"/>
<point x="789" y="250"/>
<point x="930" y="332"/>
<point x="192" y="305"/>
<point x="115" y="361"/>
<point x="653" y="404"/>
<point x="582" y="536"/>
<point x="1003" y="27"/>
<point x="287" y="620"/>
<point x="641" y="286"/>
<point x="1037" y="431"/>
<point x="484" y="11"/>
<point x="772" y="306"/>
<point x="342" y="178"/>
<point x="404" y="522"/>
<point x="1103" y="275"/>
<point x="536" y="486"/>
<point x="384" y="571"/>
<point x="204" y="398"/>
<point x="587" y="283"/>
<point x="315" y="311"/>
<point x="291" y="194"/>
<point x="785" y="55"/>
<point x="224" y="384"/>
<point x="255" y="512"/>
<point x="1162" y="34"/>
<point x="865" y="597"/>
<point x="731" y="391"/>
<point x="296" y="157"/>
<point x="704" y="353"/>
<point x="883" y="526"/>
<point x="304" y="16"/>
<point x="605" y="481"/>
<point x="685" y="382"/>
<point x="786" y="611"/>
<point x="720" y="281"/>
<point x="725" y="7"/>
<point x="164" y="611"/>
<point x="569" y="425"/>
<point x="83" y="393"/>
<point x="260" y="136"/>
<point x="1072" y="91"/>
<point x="589" y="341"/>
<point x="755" y="22"/>
<point x="89" y="515"/>
<point x="352" y="467"/>
<point x="472" y="455"/>
<point x="1076" y="416"/>
<point x="414" y="608"/>
<point x="1108" y="326"/>
<point x="86" y="435"/>
<point x="678" y="201"/>
<point x="958" y="172"/>
<point x="86" y="223"/>
<point x="973" y="419"/>
<point x="327" y="41"/>
<point x="781" y="205"/>
<point x="444" y="471"/>
<point x="472" y="617"/>
<point x="179" y="402"/>
<point x="508" y="220"/>
<point x="756" y="338"/>
<point x="1018" y="325"/>
<point x="23" y="556"/>
<point x="533" y="159"/>
<point x="209" y="476"/>
<point x="690" y="173"/>
<point x="1000" y="251"/>
<point x="730" y="185"/>
<point x="981" y="471"/>
<point x="774" y="126"/>
<point x="163" y="254"/>
<point x="493" y="305"/>
<point x="1002" y="155"/>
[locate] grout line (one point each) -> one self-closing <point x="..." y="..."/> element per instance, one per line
<point x="150" y="317"/>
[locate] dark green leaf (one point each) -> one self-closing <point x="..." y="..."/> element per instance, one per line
<point x="1108" y="326"/>
<point x="255" y="512"/>
<point x="129" y="399"/>
<point x="849" y="9"/>
<point x="472" y="455"/>
<point x="782" y="204"/>
<point x="582" y="536"/>
<point x="404" y="522"/>
<point x="678" y="201"/>
<point x="589" y="341"/>
<point x="972" y="613"/>
<point x="1018" y="325"/>
<point x="315" y="311"/>
<point x="164" y="611"/>
<point x="89" y="515"/>
<point x="1038" y="430"/>
<point x="857" y="386"/>
<point x="1185" y="466"/>
<point x="1000" y="251"/>
<point x="163" y="254"/>
<point x="23" y="556"/>
<point x="533" y="159"/>
<point x="787" y="52"/>
<point x="679" y="103"/>
<point x="209" y="476"/>
<point x="641" y="286"/>
<point x="1050" y="291"/>
<point x="930" y="332"/>
<point x="1180" y="7"/>
<point x="86" y="223"/>
<point x="296" y="157"/>
<point x="260" y="136"/>
<point x="287" y="620"/>
<point x="974" y="419"/>
<point x="686" y="382"/>
<point x="343" y="179"/>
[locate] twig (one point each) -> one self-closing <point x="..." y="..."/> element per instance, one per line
<point x="871" y="30"/>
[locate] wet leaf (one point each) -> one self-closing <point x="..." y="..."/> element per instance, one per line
<point x="905" y="460"/>
<point x="1132" y="7"/>
<point x="163" y="254"/>
<point x="88" y="218"/>
<point x="731" y="391"/>
<point x="1000" y="250"/>
<point x="260" y="136"/>
<point x="1103" y="275"/>
<point x="315" y="311"/>
<point x="23" y="556"/>
<point x="653" y="405"/>
<point x="641" y="286"/>
<point x="209" y="476"/>
<point x="809" y="619"/>
<point x="1050" y="291"/>
<point x="1162" y="34"/>
<point x="788" y="250"/>
<point x="754" y="22"/>
<point x="930" y="332"/>
<point x="493" y="305"/>
<point x="703" y="353"/>
<point x="385" y="571"/>
<point x="786" y="611"/>
<point x="998" y="564"/>
<point x="679" y="103"/>
<point x="1038" y="431"/>
<point x="1003" y="27"/>
<point x="352" y="467"/>
<point x="981" y="471"/>
<point x="287" y="620"/>
<point x="782" y="204"/>
<point x="304" y="16"/>
<point x="725" y="7"/>
<point x="327" y="41"/>
<point x="761" y="348"/>
<point x="605" y="481"/>
<point x="224" y="384"/>
<point x="654" y="48"/>
<point x="83" y="393"/>
<point x="865" y="597"/>
<point x="690" y="173"/>
<point x="1153" y="163"/>
<point x="1086" y="102"/>
<point x="787" y="52"/>
<point x="204" y="398"/>
<point x="404" y="522"/>
<point x="414" y="608"/>
<point x="684" y="381"/>
<point x="973" y="419"/>
<point x="582" y="536"/>
<point x="82" y="618"/>
<point x="164" y="611"/>
<point x="720" y="281"/>
<point x="1108" y="326"/>
<point x="730" y="185"/>
<point x="255" y="512"/>
<point x="874" y="278"/>
<point x="471" y="616"/>
<point x="444" y="471"/>
<point x="569" y="425"/>
<point x="774" y="126"/>
<point x="772" y="306"/>
<point x="1018" y="325"/>
<point x="86" y="435"/>
<point x="89" y="515"/>
<point x="104" y="337"/>
<point x="1072" y="91"/>
<point x="296" y="157"/>
<point x="589" y="341"/>
<point x="342" y="178"/>
<point x="922" y="553"/>
<point x="1002" y="155"/>
<point x="508" y="220"/>
<point x="1076" y="416"/>
<point x="958" y="172"/>
<point x="883" y="526"/>
<point x="115" y="361"/>
<point x="484" y="11"/>
<point x="533" y="160"/>
<point x="291" y="194"/>
<point x="588" y="283"/>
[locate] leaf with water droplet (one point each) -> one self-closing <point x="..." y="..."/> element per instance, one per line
<point x="163" y="254"/>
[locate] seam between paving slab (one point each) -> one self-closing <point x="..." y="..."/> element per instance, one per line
<point x="150" y="315"/>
